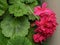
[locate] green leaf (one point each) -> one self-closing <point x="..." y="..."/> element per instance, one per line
<point x="3" y="6"/>
<point x="30" y="35"/>
<point x="30" y="9"/>
<point x="11" y="1"/>
<point x="18" y="8"/>
<point x="32" y="5"/>
<point x="3" y="40"/>
<point x="19" y="40"/>
<point x="31" y="17"/>
<point x="24" y="1"/>
<point x="28" y="1"/>
<point x="30" y="14"/>
<point x="15" y="26"/>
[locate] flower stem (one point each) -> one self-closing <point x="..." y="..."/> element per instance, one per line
<point x="33" y="13"/>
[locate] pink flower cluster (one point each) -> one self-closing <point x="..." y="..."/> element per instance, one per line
<point x="46" y="25"/>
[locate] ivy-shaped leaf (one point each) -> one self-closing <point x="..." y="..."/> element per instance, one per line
<point x="19" y="41"/>
<point x="3" y="6"/>
<point x="15" y="26"/>
<point x="3" y="40"/>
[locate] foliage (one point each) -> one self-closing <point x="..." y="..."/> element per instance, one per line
<point x="3" y="6"/>
<point x="15" y="19"/>
<point x="19" y="40"/>
<point x="15" y="26"/>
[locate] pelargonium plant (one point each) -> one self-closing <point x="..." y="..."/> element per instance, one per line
<point x="26" y="22"/>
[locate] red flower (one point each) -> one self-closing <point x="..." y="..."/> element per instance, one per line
<point x="46" y="25"/>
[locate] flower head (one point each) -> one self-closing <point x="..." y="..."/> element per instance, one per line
<point x="46" y="25"/>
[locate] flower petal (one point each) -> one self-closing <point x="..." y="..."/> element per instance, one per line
<point x="44" y="5"/>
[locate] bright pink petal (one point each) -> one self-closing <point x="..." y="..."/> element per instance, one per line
<point x="36" y="37"/>
<point x="37" y="10"/>
<point x="41" y="39"/>
<point x="44" y="5"/>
